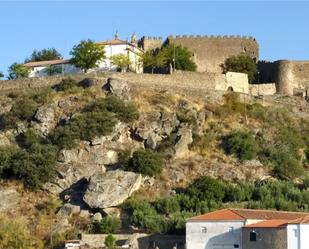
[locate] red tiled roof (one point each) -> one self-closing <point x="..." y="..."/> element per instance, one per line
<point x="243" y="214"/>
<point x="112" y="42"/>
<point x="269" y="224"/>
<point x="46" y="63"/>
<point x="302" y="220"/>
<point x="223" y="214"/>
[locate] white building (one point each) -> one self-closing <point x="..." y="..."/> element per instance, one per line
<point x="111" y="48"/>
<point x="248" y="229"/>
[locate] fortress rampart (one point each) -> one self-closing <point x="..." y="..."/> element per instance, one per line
<point x="290" y="76"/>
<point x="210" y="52"/>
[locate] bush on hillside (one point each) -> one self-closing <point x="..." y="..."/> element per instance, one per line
<point x="108" y="224"/>
<point x="242" y="144"/>
<point x="125" y="112"/>
<point x="23" y="109"/>
<point x="66" y="84"/>
<point x="146" y="162"/>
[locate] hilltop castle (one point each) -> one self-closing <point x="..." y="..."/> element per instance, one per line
<point x="209" y="52"/>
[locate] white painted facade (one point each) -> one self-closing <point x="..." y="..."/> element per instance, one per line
<point x="213" y="234"/>
<point x="111" y="48"/>
<point x="298" y="236"/>
<point x="41" y="71"/>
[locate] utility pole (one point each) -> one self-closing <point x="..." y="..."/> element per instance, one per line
<point x="174" y="58"/>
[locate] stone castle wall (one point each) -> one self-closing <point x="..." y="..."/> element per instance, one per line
<point x="187" y="83"/>
<point x="290" y="76"/>
<point x="150" y="42"/>
<point x="210" y="52"/>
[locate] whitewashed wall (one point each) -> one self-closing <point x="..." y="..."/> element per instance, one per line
<point x="298" y="236"/>
<point x="218" y="235"/>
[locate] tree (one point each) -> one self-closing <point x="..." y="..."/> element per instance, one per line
<point x="17" y="71"/>
<point x="108" y="224"/>
<point x="1" y="75"/>
<point x="44" y="55"/>
<point x="153" y="59"/>
<point x="110" y="241"/>
<point x="182" y="56"/>
<point x="87" y="54"/>
<point x="53" y="69"/>
<point x="242" y="64"/>
<point x="122" y="61"/>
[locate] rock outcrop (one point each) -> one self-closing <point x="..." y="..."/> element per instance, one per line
<point x="111" y="189"/>
<point x="118" y="88"/>
<point x="10" y="198"/>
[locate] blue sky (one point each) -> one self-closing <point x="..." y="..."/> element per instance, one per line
<point x="281" y="27"/>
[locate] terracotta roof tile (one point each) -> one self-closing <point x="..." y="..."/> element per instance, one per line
<point x="269" y="224"/>
<point x="46" y="63"/>
<point x="223" y="214"/>
<point x="112" y="42"/>
<point x="243" y="214"/>
<point x="302" y="220"/>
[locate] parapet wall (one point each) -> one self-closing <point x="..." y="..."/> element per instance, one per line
<point x="262" y="89"/>
<point x="210" y="52"/>
<point x="190" y="83"/>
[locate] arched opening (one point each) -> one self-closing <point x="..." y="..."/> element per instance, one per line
<point x="230" y="89"/>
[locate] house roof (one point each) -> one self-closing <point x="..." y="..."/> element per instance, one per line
<point x="46" y="63"/>
<point x="302" y="220"/>
<point x="244" y="214"/>
<point x="269" y="224"/>
<point x="113" y="42"/>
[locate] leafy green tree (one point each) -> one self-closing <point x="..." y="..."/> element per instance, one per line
<point x="153" y="59"/>
<point x="183" y="57"/>
<point x="87" y="54"/>
<point x="122" y="62"/>
<point x="17" y="71"/>
<point x="44" y="55"/>
<point x="146" y="162"/>
<point x="53" y="70"/>
<point x="1" y="75"/>
<point x="110" y="241"/>
<point x="242" y="64"/>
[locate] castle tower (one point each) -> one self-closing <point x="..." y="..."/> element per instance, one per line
<point x="117" y="35"/>
<point x="134" y="39"/>
<point x="149" y="43"/>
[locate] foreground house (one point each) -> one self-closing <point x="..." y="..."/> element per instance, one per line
<point x="111" y="47"/>
<point x="248" y="229"/>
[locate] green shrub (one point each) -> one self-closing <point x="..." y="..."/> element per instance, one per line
<point x="23" y="109"/>
<point x="108" y="224"/>
<point x="110" y="241"/>
<point x="84" y="126"/>
<point x="125" y="112"/>
<point x="242" y="144"/>
<point x="206" y="188"/>
<point x="146" y="162"/>
<point x="66" y="84"/>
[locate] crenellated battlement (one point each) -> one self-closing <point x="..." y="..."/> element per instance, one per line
<point x="212" y="37"/>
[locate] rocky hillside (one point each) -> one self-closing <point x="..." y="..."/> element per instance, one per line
<point x="102" y="157"/>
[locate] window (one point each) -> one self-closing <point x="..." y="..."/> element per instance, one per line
<point x="253" y="236"/>
<point x="236" y="246"/>
<point x="204" y="229"/>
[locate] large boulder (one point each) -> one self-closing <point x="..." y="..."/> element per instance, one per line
<point x="118" y="88"/>
<point x="184" y="140"/>
<point x="10" y="199"/>
<point x="46" y="118"/>
<point x="69" y="174"/>
<point x="154" y="127"/>
<point x="111" y="189"/>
